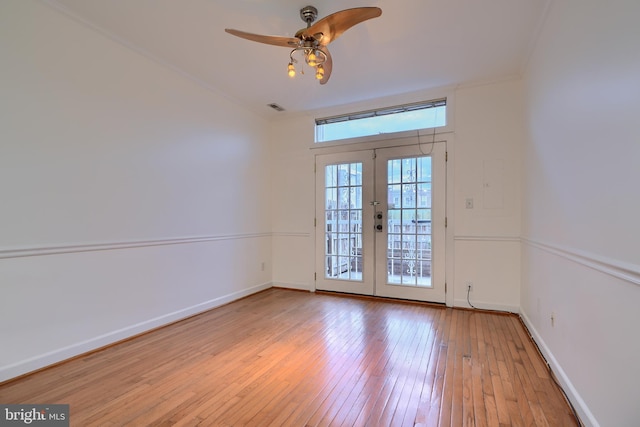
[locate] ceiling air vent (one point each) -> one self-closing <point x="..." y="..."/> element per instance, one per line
<point x="276" y="107"/>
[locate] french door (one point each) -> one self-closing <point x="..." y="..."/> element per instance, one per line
<point x="380" y="222"/>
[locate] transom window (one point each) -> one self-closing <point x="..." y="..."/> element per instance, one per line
<point x="401" y="118"/>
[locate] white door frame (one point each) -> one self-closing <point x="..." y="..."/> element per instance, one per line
<point x="363" y="283"/>
<point x="423" y="139"/>
<point x="436" y="292"/>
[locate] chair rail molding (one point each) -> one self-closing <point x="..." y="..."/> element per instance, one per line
<point x="107" y="246"/>
<point x="619" y="269"/>
<point x="487" y="238"/>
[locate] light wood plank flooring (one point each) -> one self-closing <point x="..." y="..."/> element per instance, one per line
<point x="289" y="358"/>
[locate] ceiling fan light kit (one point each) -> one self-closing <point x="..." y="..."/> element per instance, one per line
<point x="312" y="41"/>
<point x="313" y="57"/>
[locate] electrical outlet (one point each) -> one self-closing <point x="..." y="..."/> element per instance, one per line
<point x="469" y="203"/>
<point x="469" y="286"/>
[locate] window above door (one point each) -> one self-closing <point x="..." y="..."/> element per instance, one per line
<point x="422" y="115"/>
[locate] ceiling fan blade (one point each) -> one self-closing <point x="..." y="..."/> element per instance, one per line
<point x="273" y="40"/>
<point x="331" y="27"/>
<point x="327" y="65"/>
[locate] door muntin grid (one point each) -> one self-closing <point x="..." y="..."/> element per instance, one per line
<point x="343" y="252"/>
<point x="409" y="221"/>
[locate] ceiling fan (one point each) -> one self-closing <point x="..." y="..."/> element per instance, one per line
<point x="312" y="41"/>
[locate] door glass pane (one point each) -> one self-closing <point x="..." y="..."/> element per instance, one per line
<point x="393" y="197"/>
<point x="331" y="198"/>
<point x="394" y="171"/>
<point x="409" y="216"/>
<point x="343" y="216"/>
<point x="424" y="195"/>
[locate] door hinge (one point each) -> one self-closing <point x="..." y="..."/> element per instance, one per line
<point x="315" y="168"/>
<point x="445" y="287"/>
<point x="374" y="155"/>
<point x="315" y="277"/>
<point x="315" y="222"/>
<point x="445" y="222"/>
<point x="446" y="156"/>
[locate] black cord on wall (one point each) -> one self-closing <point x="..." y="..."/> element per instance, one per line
<point x="468" y="300"/>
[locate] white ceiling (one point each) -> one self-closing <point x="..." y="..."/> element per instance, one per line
<point x="415" y="45"/>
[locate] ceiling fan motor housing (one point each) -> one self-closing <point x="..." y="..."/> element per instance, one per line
<point x="308" y="14"/>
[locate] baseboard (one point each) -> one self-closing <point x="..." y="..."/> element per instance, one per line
<point x="462" y="303"/>
<point x="42" y="361"/>
<point x="579" y="404"/>
<point x="289" y="285"/>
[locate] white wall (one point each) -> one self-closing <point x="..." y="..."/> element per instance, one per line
<point x="581" y="204"/>
<point x="488" y="137"/>
<point x="293" y="202"/>
<point x="131" y="197"/>
<point x="488" y="141"/>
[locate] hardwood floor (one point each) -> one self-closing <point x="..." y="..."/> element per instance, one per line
<point x="290" y="358"/>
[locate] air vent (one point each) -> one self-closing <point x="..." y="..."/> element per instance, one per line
<point x="276" y="107"/>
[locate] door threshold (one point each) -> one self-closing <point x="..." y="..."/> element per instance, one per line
<point x="382" y="299"/>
